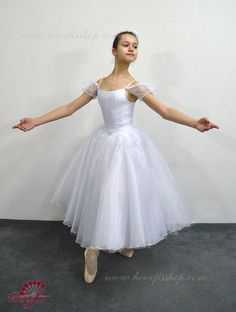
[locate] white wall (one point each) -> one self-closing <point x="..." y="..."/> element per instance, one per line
<point x="187" y="49"/>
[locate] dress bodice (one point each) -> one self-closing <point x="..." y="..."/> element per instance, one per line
<point x="117" y="109"/>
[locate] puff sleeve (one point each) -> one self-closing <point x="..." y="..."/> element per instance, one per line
<point x="141" y="89"/>
<point x="90" y="88"/>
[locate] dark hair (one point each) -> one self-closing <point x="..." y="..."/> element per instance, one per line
<point x="118" y="37"/>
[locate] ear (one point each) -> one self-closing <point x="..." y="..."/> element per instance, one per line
<point x="114" y="51"/>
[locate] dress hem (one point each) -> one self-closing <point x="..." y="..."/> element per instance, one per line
<point x="110" y="250"/>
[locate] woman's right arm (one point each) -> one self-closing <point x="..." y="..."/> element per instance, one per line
<point x="27" y="124"/>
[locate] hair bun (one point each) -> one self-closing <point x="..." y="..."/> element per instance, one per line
<point x="136" y="33"/>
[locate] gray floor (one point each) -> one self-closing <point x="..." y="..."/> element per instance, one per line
<point x="191" y="271"/>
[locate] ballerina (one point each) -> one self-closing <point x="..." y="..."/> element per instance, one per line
<point x="118" y="189"/>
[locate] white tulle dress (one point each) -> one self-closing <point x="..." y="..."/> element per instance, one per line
<point x="118" y="191"/>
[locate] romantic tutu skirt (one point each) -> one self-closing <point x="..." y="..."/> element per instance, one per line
<point x="118" y="192"/>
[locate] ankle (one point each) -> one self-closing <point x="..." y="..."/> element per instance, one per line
<point x="92" y="253"/>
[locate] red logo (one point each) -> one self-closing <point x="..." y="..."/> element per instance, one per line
<point x="31" y="292"/>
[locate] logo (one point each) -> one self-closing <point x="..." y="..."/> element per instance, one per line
<point x="31" y="292"/>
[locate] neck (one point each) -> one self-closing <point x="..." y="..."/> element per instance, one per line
<point x="121" y="70"/>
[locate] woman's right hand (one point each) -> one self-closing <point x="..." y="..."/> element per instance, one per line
<point x="26" y="124"/>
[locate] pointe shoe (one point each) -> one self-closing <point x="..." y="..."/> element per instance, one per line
<point x="127" y="252"/>
<point x="90" y="268"/>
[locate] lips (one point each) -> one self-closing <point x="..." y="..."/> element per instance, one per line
<point x="130" y="54"/>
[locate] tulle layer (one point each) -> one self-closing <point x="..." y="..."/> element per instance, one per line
<point x="119" y="192"/>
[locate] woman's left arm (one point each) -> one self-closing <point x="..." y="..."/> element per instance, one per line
<point x="175" y="115"/>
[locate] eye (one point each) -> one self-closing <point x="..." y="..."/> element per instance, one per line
<point x="126" y="45"/>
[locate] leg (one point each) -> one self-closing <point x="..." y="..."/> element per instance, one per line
<point x="91" y="253"/>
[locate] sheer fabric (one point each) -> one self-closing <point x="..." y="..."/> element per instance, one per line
<point x="90" y="88"/>
<point x="139" y="89"/>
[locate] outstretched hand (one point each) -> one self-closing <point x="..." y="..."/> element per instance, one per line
<point x="204" y="124"/>
<point x="25" y="124"/>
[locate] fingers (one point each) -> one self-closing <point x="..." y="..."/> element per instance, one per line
<point x="212" y="125"/>
<point x="215" y="126"/>
<point x="209" y="123"/>
<point x="19" y="126"/>
<point x="16" y="126"/>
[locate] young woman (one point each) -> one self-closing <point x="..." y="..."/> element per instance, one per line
<point x="118" y="189"/>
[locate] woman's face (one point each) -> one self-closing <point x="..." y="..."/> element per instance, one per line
<point x="127" y="48"/>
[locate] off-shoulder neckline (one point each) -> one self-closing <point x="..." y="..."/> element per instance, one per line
<point x="116" y="89"/>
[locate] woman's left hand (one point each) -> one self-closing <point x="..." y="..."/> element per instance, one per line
<point x="204" y="124"/>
